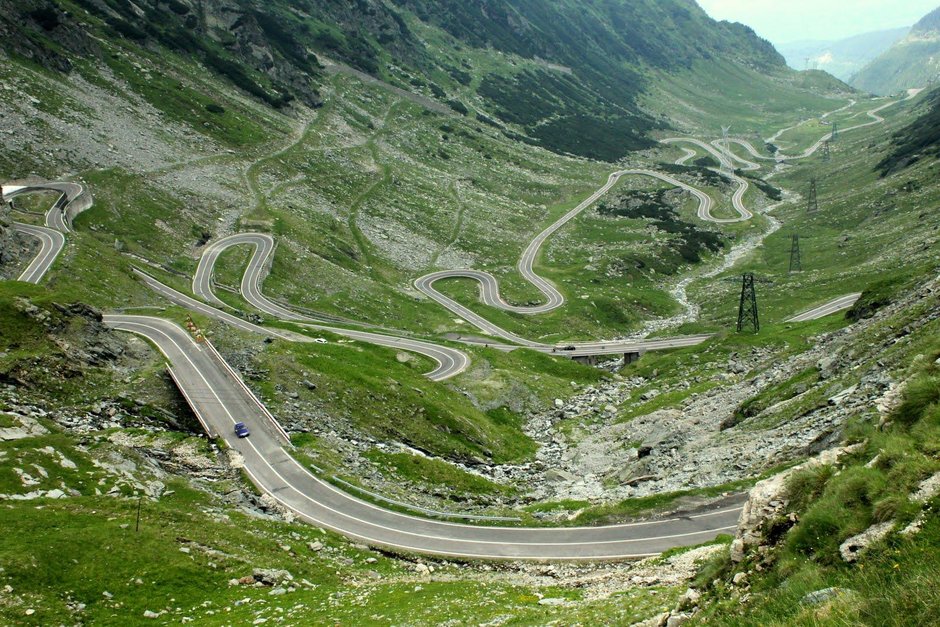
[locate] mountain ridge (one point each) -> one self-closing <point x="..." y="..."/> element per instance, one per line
<point x="842" y="58"/>
<point x="912" y="62"/>
<point x="571" y="82"/>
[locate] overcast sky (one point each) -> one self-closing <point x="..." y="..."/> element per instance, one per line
<point x="783" y="21"/>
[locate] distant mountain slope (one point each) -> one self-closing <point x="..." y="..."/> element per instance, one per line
<point x="612" y="50"/>
<point x="918" y="140"/>
<point x="912" y="62"/>
<point x="843" y="58"/>
<point x="572" y="76"/>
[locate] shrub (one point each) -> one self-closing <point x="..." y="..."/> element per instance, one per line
<point x="458" y="106"/>
<point x="178" y="7"/>
<point x="437" y="91"/>
<point x="46" y="17"/>
<point x="214" y="108"/>
<point x="126" y="29"/>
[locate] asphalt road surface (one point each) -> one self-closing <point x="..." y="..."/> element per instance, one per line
<point x="51" y="236"/>
<point x="450" y="361"/>
<point x="220" y="401"/>
<point x="737" y="200"/>
<point x="839" y="304"/>
<point x="51" y="244"/>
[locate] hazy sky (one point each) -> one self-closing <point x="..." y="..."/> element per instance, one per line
<point x="783" y="21"/>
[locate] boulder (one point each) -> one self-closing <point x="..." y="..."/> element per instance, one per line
<point x="821" y="596"/>
<point x="688" y="600"/>
<point x="271" y="576"/>
<point x="851" y="549"/>
<point x="557" y="475"/>
<point x="675" y="620"/>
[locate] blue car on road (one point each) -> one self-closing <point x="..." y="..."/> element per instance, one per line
<point x="241" y="430"/>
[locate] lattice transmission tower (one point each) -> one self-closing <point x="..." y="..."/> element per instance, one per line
<point x="796" y="264"/>
<point x="826" y="152"/>
<point x="812" y="201"/>
<point x="747" y="310"/>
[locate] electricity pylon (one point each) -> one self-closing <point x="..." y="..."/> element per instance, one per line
<point x="796" y="264"/>
<point x="812" y="202"/>
<point x="747" y="310"/>
<point x="835" y="131"/>
<point x="826" y="153"/>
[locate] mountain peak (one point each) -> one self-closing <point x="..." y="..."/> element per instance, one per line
<point x="930" y="23"/>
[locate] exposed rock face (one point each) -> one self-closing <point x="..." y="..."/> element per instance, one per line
<point x="851" y="549"/>
<point x="253" y="37"/>
<point x="767" y="500"/>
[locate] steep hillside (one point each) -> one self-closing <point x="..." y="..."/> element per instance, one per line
<point x="597" y="59"/>
<point x="911" y="63"/>
<point x="566" y="76"/>
<point x="844" y="58"/>
<point x="920" y="140"/>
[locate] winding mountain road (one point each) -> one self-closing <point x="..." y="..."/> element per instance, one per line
<point x="839" y="304"/>
<point x="489" y="285"/>
<point x="51" y="237"/>
<point x="51" y="244"/>
<point x="873" y="114"/>
<point x="450" y="361"/>
<point x="219" y="401"/>
<point x="737" y="200"/>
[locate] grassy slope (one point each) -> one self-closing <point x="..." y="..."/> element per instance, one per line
<point x="895" y="582"/>
<point x="88" y="563"/>
<point x="749" y="102"/>
<point x="868" y="229"/>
